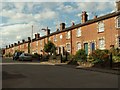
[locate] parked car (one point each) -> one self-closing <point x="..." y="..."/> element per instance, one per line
<point x="16" y="55"/>
<point x="25" y="57"/>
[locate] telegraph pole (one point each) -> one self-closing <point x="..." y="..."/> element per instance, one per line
<point x="31" y="38"/>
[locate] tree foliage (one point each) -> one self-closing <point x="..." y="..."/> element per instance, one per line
<point x="50" y="48"/>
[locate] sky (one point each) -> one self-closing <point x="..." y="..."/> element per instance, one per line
<point x="17" y="17"/>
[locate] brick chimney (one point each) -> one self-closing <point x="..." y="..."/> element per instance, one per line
<point x="84" y="16"/>
<point x="12" y="45"/>
<point x="15" y="44"/>
<point x="37" y="36"/>
<point x="9" y="46"/>
<point x="118" y="5"/>
<point x="29" y="39"/>
<point x="6" y="46"/>
<point x="62" y="26"/>
<point x="23" y="40"/>
<point x="73" y="23"/>
<point x="18" y="42"/>
<point x="48" y="31"/>
<point x="95" y="16"/>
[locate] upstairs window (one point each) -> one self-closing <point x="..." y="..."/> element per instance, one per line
<point x="118" y="22"/>
<point x="101" y="43"/>
<point x="78" y="33"/>
<point x="55" y="38"/>
<point x="40" y="42"/>
<point x="36" y="43"/>
<point x="68" y="35"/>
<point x="61" y="36"/>
<point x="101" y="27"/>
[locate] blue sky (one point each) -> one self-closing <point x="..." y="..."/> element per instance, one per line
<point x="17" y="18"/>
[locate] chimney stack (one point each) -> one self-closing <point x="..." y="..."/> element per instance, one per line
<point x="95" y="16"/>
<point x="23" y="40"/>
<point x="73" y="23"/>
<point x="62" y="26"/>
<point x="12" y="45"/>
<point x="29" y="39"/>
<point x="6" y="46"/>
<point x="37" y="36"/>
<point x="48" y="31"/>
<point x="15" y="44"/>
<point x="118" y="5"/>
<point x="18" y="42"/>
<point x="84" y="16"/>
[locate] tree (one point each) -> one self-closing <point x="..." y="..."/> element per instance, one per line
<point x="50" y="48"/>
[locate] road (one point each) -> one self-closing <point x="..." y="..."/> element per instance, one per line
<point x="51" y="76"/>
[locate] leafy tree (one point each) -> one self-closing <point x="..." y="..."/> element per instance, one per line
<point x="50" y="48"/>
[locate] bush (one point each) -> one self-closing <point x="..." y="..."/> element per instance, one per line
<point x="36" y="56"/>
<point x="80" y="55"/>
<point x="116" y="54"/>
<point x="99" y="56"/>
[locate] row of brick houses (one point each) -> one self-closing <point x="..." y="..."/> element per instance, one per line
<point x="99" y="33"/>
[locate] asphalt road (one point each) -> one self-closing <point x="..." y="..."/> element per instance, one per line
<point x="51" y="76"/>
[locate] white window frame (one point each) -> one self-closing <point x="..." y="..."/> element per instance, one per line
<point x="78" y="46"/>
<point x="55" y="38"/>
<point x="78" y="32"/>
<point x="101" y="26"/>
<point x="102" y="43"/>
<point x="68" y="34"/>
<point x="118" y="21"/>
<point x="68" y="48"/>
<point x="61" y="36"/>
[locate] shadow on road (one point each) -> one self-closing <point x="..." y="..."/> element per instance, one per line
<point x="6" y="75"/>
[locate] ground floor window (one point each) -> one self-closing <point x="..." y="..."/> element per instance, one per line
<point x="68" y="47"/>
<point x="78" y="45"/>
<point x="102" y="43"/>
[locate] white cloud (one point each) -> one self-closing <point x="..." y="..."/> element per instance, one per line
<point x="65" y="8"/>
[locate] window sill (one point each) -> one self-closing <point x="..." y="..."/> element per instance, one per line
<point x="101" y="32"/>
<point x="78" y="36"/>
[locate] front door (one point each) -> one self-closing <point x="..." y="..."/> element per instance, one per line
<point x="92" y="46"/>
<point x="86" y="48"/>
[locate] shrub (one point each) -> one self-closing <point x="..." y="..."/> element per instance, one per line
<point x="80" y="55"/>
<point x="36" y="55"/>
<point x="99" y="56"/>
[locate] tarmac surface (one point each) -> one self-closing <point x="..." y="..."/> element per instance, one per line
<point x="48" y="75"/>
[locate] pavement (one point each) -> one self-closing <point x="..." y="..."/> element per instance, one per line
<point x="103" y="70"/>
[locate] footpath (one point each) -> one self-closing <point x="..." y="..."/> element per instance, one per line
<point x="102" y="70"/>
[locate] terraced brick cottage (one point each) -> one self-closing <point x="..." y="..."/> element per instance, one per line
<point x="99" y="33"/>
